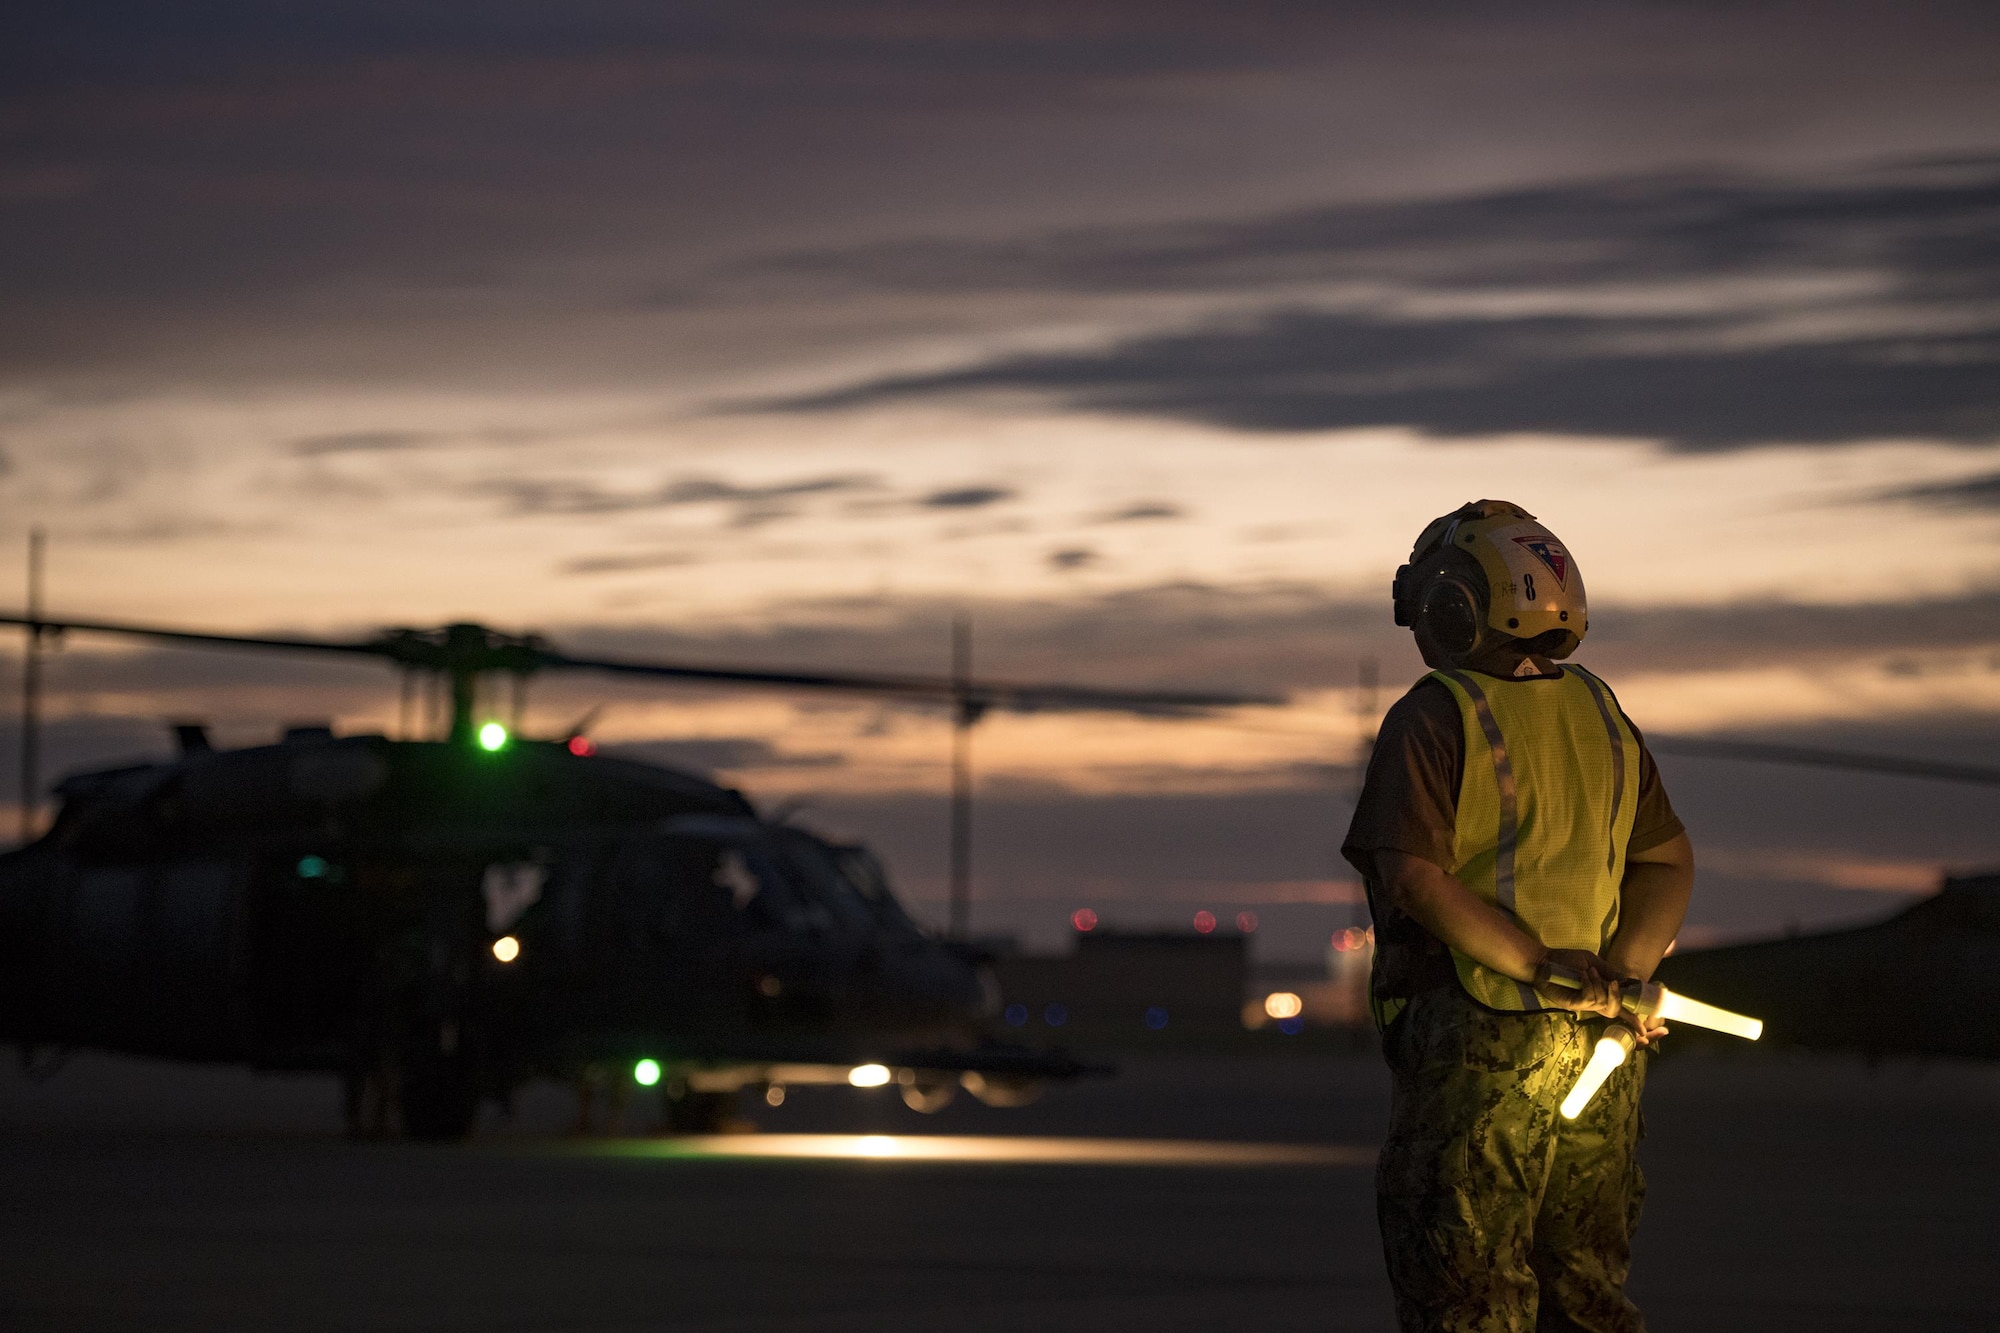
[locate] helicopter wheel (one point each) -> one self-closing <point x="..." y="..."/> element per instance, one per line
<point x="928" y="1097"/>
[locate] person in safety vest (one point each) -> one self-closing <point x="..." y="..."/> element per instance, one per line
<point x="1512" y="819"/>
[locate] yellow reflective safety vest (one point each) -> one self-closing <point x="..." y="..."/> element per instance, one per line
<point x="1545" y="808"/>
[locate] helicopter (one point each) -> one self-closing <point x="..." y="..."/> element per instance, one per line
<point x="1913" y="984"/>
<point x="1917" y="983"/>
<point x="442" y="921"/>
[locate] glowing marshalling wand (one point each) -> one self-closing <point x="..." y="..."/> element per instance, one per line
<point x="1649" y="1001"/>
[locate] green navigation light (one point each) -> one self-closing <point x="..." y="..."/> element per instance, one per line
<point x="646" y="1073"/>
<point x="492" y="736"/>
<point x="312" y="867"/>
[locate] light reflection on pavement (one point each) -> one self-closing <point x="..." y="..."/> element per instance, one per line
<point x="990" y="1148"/>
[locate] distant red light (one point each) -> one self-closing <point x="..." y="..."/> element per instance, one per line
<point x="1204" y="921"/>
<point x="582" y="746"/>
<point x="1347" y="941"/>
<point x="1083" y="919"/>
<point x="1246" y="922"/>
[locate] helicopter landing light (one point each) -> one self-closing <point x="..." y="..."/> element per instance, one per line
<point x="868" y="1076"/>
<point x="1284" y="1004"/>
<point x="492" y="736"/>
<point x="646" y="1073"/>
<point x="506" y="948"/>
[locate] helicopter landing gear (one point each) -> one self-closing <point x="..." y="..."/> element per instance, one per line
<point x="691" y="1112"/>
<point x="928" y="1095"/>
<point x="1002" y="1090"/>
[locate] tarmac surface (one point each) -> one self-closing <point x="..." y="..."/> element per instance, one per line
<point x="1786" y="1193"/>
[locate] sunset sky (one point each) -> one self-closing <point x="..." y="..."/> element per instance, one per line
<point x="1145" y="335"/>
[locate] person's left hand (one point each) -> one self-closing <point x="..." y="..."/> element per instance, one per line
<point x="1645" y="1030"/>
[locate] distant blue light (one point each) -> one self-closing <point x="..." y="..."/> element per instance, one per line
<point x="1156" y="1018"/>
<point x="312" y="867"/>
<point x="1016" y="1015"/>
<point x="1055" y="1015"/>
<point x="1291" y="1027"/>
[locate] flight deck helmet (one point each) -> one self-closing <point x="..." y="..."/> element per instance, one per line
<point x="1488" y="569"/>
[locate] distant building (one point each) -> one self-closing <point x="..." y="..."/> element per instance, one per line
<point x="1118" y="982"/>
<point x="1334" y="998"/>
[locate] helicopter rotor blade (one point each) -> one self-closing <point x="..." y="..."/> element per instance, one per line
<point x="1762" y="752"/>
<point x="367" y="647"/>
<point x="973" y="698"/>
<point x="981" y="695"/>
<point x="426" y="650"/>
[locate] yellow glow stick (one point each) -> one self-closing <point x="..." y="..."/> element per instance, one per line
<point x="1651" y="1000"/>
<point x="1675" y="1008"/>
<point x="1612" y="1049"/>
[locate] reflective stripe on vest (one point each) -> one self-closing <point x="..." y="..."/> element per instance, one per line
<point x="1545" y="810"/>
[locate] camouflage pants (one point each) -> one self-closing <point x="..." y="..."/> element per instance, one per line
<point x="1499" y="1216"/>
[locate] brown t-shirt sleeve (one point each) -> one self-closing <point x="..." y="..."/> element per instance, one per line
<point x="1409" y="802"/>
<point x="1655" y="822"/>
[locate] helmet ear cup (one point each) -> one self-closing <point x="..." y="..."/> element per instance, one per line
<point x="1399" y="597"/>
<point x="1449" y="615"/>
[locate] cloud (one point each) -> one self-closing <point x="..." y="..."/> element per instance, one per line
<point x="751" y="505"/>
<point x="1144" y="511"/>
<point x="1708" y="314"/>
<point x="359" y="441"/>
<point x="1921" y="228"/>
<point x="967" y="497"/>
<point x="1980" y="492"/>
<point x="1072" y="557"/>
<point x="722" y="754"/>
<point x="172" y="529"/>
<point x="1683" y="382"/>
<point x="625" y="564"/>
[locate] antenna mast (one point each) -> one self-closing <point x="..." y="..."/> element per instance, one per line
<point x="965" y="711"/>
<point x="31" y="693"/>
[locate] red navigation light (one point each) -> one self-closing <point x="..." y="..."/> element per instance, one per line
<point x="582" y="746"/>
<point x="1204" y="921"/>
<point x="1083" y="919"/>
<point x="1246" y="922"/>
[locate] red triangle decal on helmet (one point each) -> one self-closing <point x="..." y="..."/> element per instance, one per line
<point x="1551" y="553"/>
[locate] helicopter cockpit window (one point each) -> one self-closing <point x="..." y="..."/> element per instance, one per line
<point x="780" y="898"/>
<point x="733" y="874"/>
<point x="510" y="888"/>
<point x="814" y="868"/>
<point x="861" y="870"/>
<point x="763" y="882"/>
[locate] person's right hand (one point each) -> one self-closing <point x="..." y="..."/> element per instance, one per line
<point x="1599" y="994"/>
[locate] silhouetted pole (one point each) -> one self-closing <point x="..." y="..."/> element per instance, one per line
<point x="1369" y="677"/>
<point x="31" y="694"/>
<point x="964" y="712"/>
